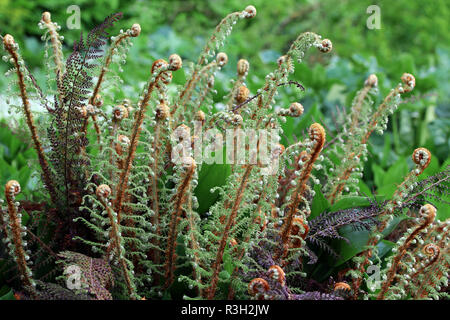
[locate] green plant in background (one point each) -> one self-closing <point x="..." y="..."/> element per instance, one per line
<point x="126" y="195"/>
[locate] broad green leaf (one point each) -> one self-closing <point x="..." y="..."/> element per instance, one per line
<point x="384" y="247"/>
<point x="358" y="240"/>
<point x="6" y="294"/>
<point x="378" y="174"/>
<point x="210" y="176"/>
<point x="387" y="190"/>
<point x="228" y="263"/>
<point x="386" y="150"/>
<point x="319" y="203"/>
<point x="396" y="173"/>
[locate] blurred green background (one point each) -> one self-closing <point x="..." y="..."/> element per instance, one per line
<point x="414" y="38"/>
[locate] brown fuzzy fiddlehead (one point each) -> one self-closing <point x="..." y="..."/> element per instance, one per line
<point x="14" y="233"/>
<point x="58" y="58"/>
<point x="258" y="288"/>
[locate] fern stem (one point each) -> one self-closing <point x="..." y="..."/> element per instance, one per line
<point x="223" y="241"/>
<point x="133" y="32"/>
<point x="317" y="136"/>
<point x="158" y="68"/>
<point x="102" y="192"/>
<point x="162" y="113"/>
<point x="10" y="46"/>
<point x="181" y="196"/>
<point x="56" y="46"/>
<point x="12" y="188"/>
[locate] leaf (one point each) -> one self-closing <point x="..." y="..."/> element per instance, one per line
<point x="384" y="247"/>
<point x="386" y="150"/>
<point x="396" y="173"/>
<point x="358" y="240"/>
<point x="210" y="176"/>
<point x="378" y="174"/>
<point x="228" y="264"/>
<point x="363" y="188"/>
<point x="6" y="293"/>
<point x="224" y="275"/>
<point x="387" y="182"/>
<point x="319" y="203"/>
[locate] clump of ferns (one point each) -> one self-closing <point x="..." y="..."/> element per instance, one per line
<point x="421" y="158"/>
<point x="127" y="195"/>
<point x="419" y="265"/>
<point x="349" y="153"/>
<point x="344" y="173"/>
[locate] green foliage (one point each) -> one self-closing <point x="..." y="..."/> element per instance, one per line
<point x="16" y="159"/>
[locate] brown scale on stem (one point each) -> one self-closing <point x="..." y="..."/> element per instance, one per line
<point x="260" y="219"/>
<point x="162" y="114"/>
<point x="10" y="46"/>
<point x="317" y="136"/>
<point x="12" y="188"/>
<point x="180" y="198"/>
<point x="56" y="46"/>
<point x="406" y="86"/>
<point x="103" y="192"/>
<point x="230" y="221"/>
<point x="159" y="69"/>
<point x="234" y="204"/>
<point x="134" y="31"/>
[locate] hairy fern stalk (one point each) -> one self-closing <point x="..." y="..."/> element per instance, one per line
<point x="120" y="179"/>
